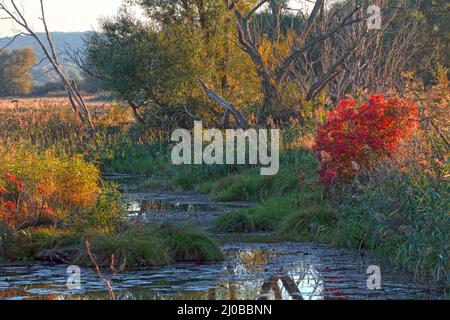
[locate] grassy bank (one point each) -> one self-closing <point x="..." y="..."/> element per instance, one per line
<point x="51" y="204"/>
<point x="400" y="216"/>
<point x="133" y="247"/>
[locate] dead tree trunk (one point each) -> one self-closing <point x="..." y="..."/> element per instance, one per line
<point x="273" y="79"/>
<point x="240" y="119"/>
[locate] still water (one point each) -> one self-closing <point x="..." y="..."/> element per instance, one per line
<point x="288" y="271"/>
<point x="282" y="271"/>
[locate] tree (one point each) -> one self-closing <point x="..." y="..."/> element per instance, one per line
<point x="16" y="15"/>
<point x="145" y="68"/>
<point x="283" y="51"/>
<point x="384" y="55"/>
<point x="15" y="76"/>
<point x="250" y="57"/>
<point x="155" y="67"/>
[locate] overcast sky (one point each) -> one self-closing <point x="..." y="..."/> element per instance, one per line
<point x="69" y="15"/>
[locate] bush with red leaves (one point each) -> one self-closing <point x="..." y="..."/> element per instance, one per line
<point x="18" y="208"/>
<point x="355" y="136"/>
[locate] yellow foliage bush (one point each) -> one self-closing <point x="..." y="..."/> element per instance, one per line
<point x="60" y="186"/>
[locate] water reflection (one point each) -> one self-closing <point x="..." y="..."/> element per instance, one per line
<point x="305" y="285"/>
<point x="177" y="208"/>
<point x="160" y="202"/>
<point x="280" y="271"/>
<point x="270" y="271"/>
<point x="296" y="283"/>
<point x="148" y="206"/>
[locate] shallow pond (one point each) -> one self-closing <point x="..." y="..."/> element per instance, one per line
<point x="177" y="207"/>
<point x="288" y="271"/>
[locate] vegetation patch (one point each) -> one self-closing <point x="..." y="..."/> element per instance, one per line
<point x="134" y="247"/>
<point x="264" y="217"/>
<point x="401" y="217"/>
<point x="51" y="205"/>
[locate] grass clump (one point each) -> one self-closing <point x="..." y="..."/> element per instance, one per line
<point x="133" y="247"/>
<point x="242" y="187"/>
<point x="155" y="245"/>
<point x="187" y="244"/>
<point x="190" y="177"/>
<point x="308" y="223"/>
<point x="263" y="217"/>
<point x="401" y="216"/>
<point x="249" y="185"/>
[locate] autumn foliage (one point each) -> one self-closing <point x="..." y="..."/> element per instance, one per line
<point x="355" y="136"/>
<point x="17" y="208"/>
<point x="40" y="188"/>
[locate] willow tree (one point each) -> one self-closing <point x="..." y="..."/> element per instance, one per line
<point x="154" y="65"/>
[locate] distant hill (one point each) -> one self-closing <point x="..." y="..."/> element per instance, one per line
<point x="62" y="41"/>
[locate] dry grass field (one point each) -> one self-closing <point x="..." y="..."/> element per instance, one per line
<point x="50" y="102"/>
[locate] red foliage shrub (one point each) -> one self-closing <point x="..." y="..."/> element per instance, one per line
<point x="356" y="135"/>
<point x="18" y="208"/>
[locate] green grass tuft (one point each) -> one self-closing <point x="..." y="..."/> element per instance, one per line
<point x="190" y="245"/>
<point x="138" y="246"/>
<point x="266" y="216"/>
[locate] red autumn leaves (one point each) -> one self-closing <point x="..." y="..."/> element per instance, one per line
<point x="16" y="205"/>
<point x="356" y="135"/>
<point x="8" y="207"/>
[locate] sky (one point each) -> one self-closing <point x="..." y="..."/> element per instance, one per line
<point x="68" y="15"/>
<point x="64" y="15"/>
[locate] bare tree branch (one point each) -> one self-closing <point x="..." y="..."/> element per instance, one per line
<point x="240" y="120"/>
<point x="12" y="40"/>
<point x="287" y="64"/>
<point x="74" y="95"/>
<point x="49" y="38"/>
<point x="320" y="83"/>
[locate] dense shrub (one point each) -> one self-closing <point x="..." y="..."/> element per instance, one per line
<point x="108" y="212"/>
<point x="356" y="135"/>
<point x="39" y="188"/>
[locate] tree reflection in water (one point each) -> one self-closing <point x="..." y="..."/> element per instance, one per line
<point x="290" y="283"/>
<point x="251" y="271"/>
